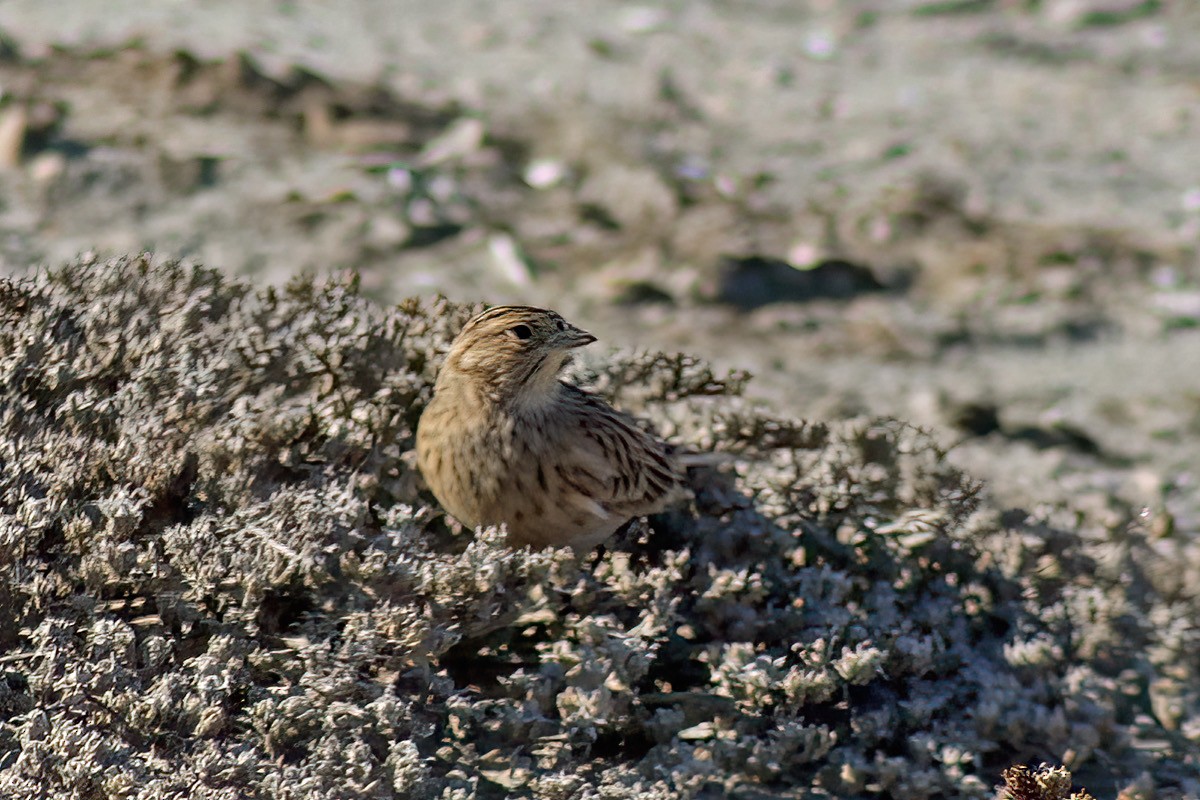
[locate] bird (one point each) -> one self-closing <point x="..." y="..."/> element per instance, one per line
<point x="505" y="441"/>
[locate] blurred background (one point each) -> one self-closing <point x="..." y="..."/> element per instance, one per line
<point x="981" y="216"/>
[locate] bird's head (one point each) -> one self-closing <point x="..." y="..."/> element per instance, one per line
<point x="513" y="352"/>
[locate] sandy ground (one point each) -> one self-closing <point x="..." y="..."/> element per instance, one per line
<point x="1019" y="183"/>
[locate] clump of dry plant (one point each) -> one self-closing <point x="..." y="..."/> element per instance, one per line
<point x="219" y="578"/>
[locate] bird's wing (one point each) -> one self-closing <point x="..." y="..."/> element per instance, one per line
<point x="609" y="460"/>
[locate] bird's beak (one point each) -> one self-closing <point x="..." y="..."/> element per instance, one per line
<point x="574" y="337"/>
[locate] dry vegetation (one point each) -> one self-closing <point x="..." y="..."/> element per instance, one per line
<point x="219" y="579"/>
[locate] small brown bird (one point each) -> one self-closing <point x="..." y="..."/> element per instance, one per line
<point x="505" y="441"/>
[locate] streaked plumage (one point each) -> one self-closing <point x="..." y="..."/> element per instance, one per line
<point x="505" y="441"/>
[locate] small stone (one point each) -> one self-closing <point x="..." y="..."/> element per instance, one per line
<point x="45" y="168"/>
<point x="463" y="137"/>
<point x="13" y="122"/>
<point x="508" y="257"/>
<point x="707" y="229"/>
<point x="543" y="173"/>
<point x="697" y="732"/>
<point x="635" y="198"/>
<point x="643" y="19"/>
<point x="387" y="232"/>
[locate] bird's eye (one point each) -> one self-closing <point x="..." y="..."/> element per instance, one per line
<point x="521" y="331"/>
<point x="562" y="326"/>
